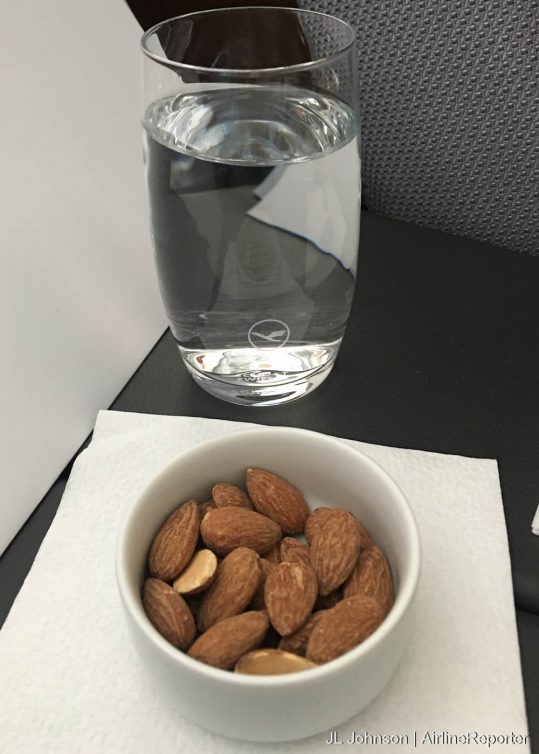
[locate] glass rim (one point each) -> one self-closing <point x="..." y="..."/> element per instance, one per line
<point x="308" y="65"/>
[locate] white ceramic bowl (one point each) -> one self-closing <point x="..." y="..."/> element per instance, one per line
<point x="276" y="708"/>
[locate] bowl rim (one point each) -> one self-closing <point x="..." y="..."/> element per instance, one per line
<point x="404" y="598"/>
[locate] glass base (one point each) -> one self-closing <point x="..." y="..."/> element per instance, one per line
<point x="261" y="377"/>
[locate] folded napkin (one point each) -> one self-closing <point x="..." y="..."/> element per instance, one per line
<point x="71" y="682"/>
<point x="535" y="522"/>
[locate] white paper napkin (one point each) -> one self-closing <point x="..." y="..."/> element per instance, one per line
<point x="71" y="682"/>
<point x="535" y="522"/>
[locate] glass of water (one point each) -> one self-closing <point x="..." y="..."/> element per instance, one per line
<point x="252" y="162"/>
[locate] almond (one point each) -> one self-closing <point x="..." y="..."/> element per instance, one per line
<point x="169" y="613"/>
<point x="274" y="555"/>
<point x="225" y="642"/>
<point x="199" y="573"/>
<point x="236" y="582"/>
<point x="290" y="594"/>
<point x="292" y="550"/>
<point x="206" y="506"/>
<point x="343" y="627"/>
<point x="266" y="567"/>
<point x="335" y="550"/>
<point x="297" y="642"/>
<point x="278" y="499"/>
<point x="316" y="521"/>
<point x="224" y="529"/>
<point x="228" y="494"/>
<point x="272" y="662"/>
<point x="175" y="542"/>
<point x="371" y="576"/>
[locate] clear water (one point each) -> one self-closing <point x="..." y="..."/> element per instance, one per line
<point x="254" y="197"/>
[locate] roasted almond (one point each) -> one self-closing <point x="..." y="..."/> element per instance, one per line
<point x="294" y="550"/>
<point x="335" y="550"/>
<point x="224" y="529"/>
<point x="272" y="662"/>
<point x="169" y="613"/>
<point x="290" y="593"/>
<point x="225" y="494"/>
<point x="297" y="642"/>
<point x="198" y="574"/>
<point x="266" y="567"/>
<point x="274" y="555"/>
<point x="225" y="642"/>
<point x="316" y="521"/>
<point x="206" y="506"/>
<point x="175" y="542"/>
<point x="278" y="499"/>
<point x="236" y="582"/>
<point x="343" y="627"/>
<point x="371" y="576"/>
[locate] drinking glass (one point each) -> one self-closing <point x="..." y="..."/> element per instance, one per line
<point x="253" y="174"/>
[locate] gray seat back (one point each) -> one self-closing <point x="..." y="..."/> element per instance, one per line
<point x="449" y="107"/>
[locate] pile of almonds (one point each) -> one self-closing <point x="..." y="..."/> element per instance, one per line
<point x="229" y="585"/>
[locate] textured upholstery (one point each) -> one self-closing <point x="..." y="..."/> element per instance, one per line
<point x="449" y="107"/>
